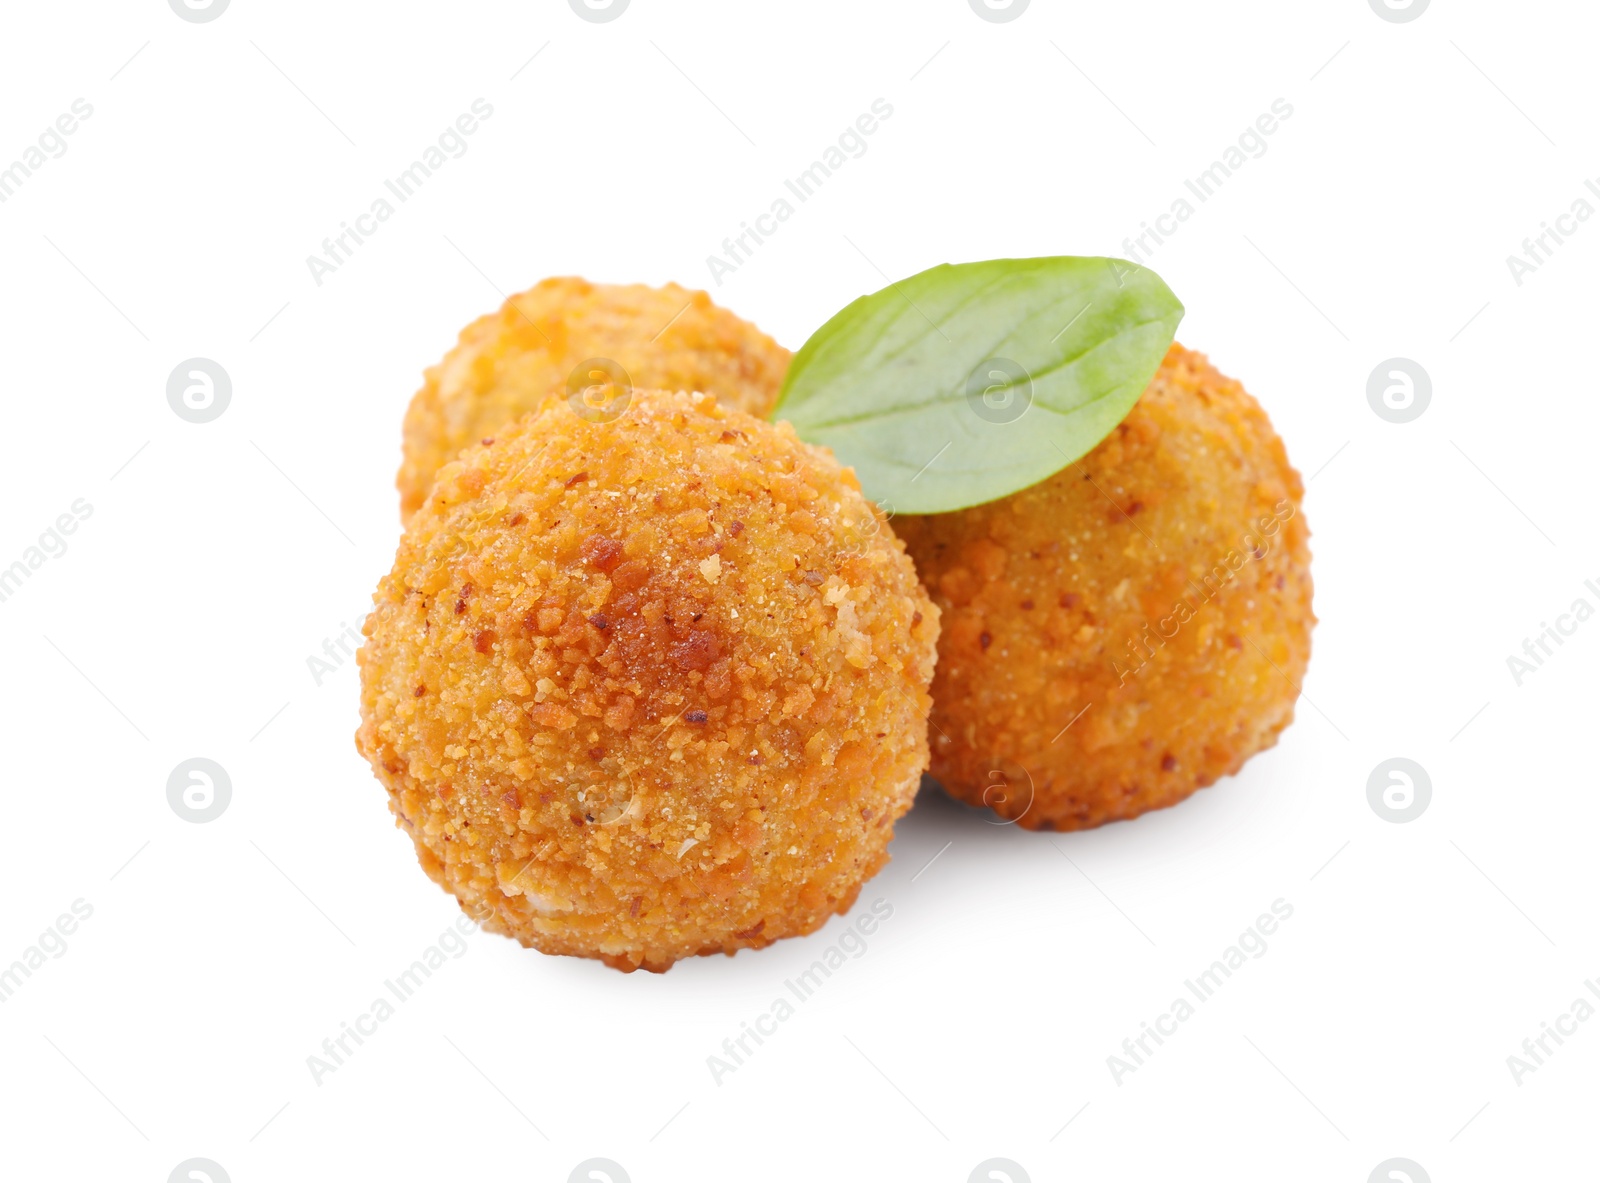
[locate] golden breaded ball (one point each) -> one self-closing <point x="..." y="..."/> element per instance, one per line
<point x="1130" y="629"/>
<point x="507" y="362"/>
<point x="648" y="688"/>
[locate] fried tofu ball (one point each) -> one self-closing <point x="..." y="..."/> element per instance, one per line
<point x="648" y="688"/>
<point x="507" y="362"/>
<point x="1130" y="629"/>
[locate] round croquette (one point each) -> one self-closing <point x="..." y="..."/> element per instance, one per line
<point x="506" y="363"/>
<point x="648" y="688"/>
<point x="1130" y="629"/>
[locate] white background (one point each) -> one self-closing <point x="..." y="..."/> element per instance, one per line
<point x="218" y="558"/>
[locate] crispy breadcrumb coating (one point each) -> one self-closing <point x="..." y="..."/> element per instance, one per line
<point x="648" y="688"/>
<point x="1132" y="628"/>
<point x="506" y="363"/>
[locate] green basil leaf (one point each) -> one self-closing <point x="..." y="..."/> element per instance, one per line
<point x="970" y="381"/>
